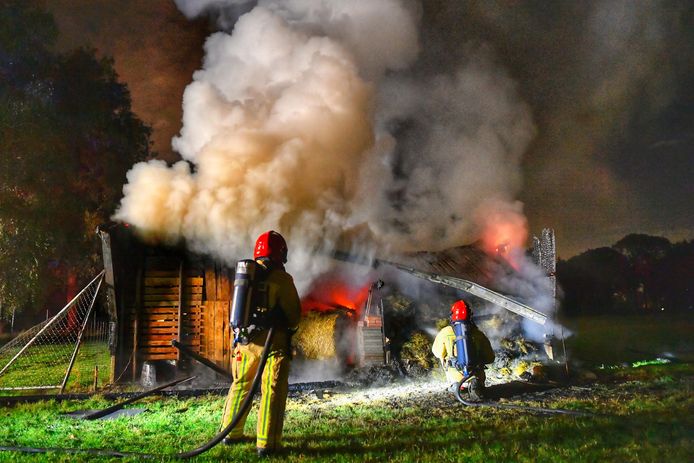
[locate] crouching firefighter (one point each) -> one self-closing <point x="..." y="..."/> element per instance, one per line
<point x="264" y="296"/>
<point x="463" y="351"/>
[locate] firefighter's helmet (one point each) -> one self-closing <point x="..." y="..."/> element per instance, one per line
<point x="271" y="245"/>
<point x="460" y="311"/>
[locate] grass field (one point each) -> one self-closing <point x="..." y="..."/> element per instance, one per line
<point x="47" y="364"/>
<point x="641" y="421"/>
<point x="613" y="340"/>
<point x="643" y="414"/>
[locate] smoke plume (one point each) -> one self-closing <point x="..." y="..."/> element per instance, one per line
<point x="315" y="119"/>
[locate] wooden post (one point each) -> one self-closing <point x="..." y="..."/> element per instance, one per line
<point x="179" y="327"/>
<point x="112" y="375"/>
<point x="139" y="290"/>
<point x="96" y="378"/>
<point x="222" y="316"/>
<point x="79" y="338"/>
<point x="206" y="331"/>
<point x="111" y="307"/>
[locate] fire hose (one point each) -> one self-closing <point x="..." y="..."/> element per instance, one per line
<point x="460" y="387"/>
<point x="183" y="455"/>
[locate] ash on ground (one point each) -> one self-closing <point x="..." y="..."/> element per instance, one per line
<point x="374" y="376"/>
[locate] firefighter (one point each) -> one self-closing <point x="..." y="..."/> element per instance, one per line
<point x="280" y="296"/>
<point x="479" y="349"/>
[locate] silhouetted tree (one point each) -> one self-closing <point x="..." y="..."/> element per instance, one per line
<point x="673" y="280"/>
<point x="639" y="274"/>
<point x="637" y="245"/>
<point x="595" y="281"/>
<point x="643" y="252"/>
<point x="67" y="137"/>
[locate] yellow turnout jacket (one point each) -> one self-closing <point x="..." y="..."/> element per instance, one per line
<point x="444" y="349"/>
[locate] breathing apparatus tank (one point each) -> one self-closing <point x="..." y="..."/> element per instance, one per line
<point x="460" y="315"/>
<point x="248" y="303"/>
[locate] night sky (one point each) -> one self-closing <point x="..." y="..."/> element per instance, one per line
<point x="610" y="85"/>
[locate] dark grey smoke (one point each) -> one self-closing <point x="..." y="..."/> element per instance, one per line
<point x="606" y="80"/>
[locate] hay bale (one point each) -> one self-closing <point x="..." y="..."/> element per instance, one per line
<point x="398" y="304"/>
<point x="325" y="335"/>
<point x="315" y="338"/>
<point x="517" y="359"/>
<point x="417" y="351"/>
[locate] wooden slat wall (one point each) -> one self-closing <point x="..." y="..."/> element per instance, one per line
<point x="205" y="329"/>
<point x="158" y="320"/>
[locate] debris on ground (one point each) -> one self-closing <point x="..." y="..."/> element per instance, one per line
<point x="373" y="375"/>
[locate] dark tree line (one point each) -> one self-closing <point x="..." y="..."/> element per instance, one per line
<point x="638" y="274"/>
<point x="67" y="137"/>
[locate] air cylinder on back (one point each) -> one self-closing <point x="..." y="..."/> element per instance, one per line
<point x="241" y="302"/>
<point x="461" y="346"/>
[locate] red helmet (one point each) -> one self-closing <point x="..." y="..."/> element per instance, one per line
<point x="271" y="245"/>
<point x="460" y="311"/>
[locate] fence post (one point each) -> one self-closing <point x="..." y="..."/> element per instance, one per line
<point x="96" y="378"/>
<point x="79" y="338"/>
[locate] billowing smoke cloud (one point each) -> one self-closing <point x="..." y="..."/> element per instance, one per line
<point x="308" y="119"/>
<point x="606" y="79"/>
<point x="454" y="144"/>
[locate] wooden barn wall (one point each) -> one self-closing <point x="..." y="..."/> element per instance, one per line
<point x="176" y="298"/>
<point x="215" y="335"/>
<point x="167" y="293"/>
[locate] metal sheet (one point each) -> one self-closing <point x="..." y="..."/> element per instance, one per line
<point x="479" y="291"/>
<point x="79" y="414"/>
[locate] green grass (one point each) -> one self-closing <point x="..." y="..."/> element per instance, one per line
<point x="643" y="417"/>
<point x="645" y="414"/>
<point x="613" y="340"/>
<point x="40" y="367"/>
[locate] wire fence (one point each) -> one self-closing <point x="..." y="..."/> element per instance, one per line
<point x="68" y="349"/>
<point x="92" y="368"/>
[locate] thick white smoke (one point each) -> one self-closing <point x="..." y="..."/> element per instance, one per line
<point x="306" y="119"/>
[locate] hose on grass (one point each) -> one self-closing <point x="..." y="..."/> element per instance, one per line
<point x="113" y="408"/>
<point x="459" y="396"/>
<point x="242" y="410"/>
<point x="183" y="455"/>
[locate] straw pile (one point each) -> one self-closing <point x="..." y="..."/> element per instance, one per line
<point x="417" y="351"/>
<point x="319" y="335"/>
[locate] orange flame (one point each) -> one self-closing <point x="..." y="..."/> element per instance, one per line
<point x="334" y="294"/>
<point x="504" y="233"/>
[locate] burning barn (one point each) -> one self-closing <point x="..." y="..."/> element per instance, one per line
<point x="157" y="294"/>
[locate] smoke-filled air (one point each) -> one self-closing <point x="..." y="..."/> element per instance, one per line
<point x="314" y="118"/>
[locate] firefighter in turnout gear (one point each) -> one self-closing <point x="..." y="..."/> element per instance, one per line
<point x="276" y="298"/>
<point x="479" y="349"/>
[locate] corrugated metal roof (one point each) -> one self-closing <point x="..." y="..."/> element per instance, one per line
<point x="468" y="262"/>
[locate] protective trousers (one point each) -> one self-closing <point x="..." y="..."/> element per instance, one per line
<point x="274" y="388"/>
